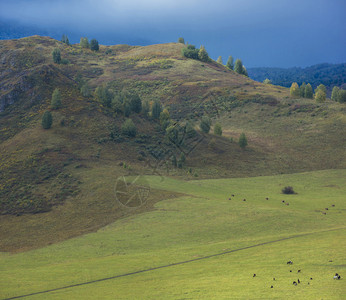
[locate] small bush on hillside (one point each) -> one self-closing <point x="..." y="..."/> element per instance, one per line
<point x="156" y="110"/>
<point x="288" y="190"/>
<point x="218" y="129"/>
<point x="190" y="52"/>
<point x="56" y="99"/>
<point x="242" y="141"/>
<point x="129" y="128"/>
<point x="47" y="120"/>
<point x="181" y="40"/>
<point x="205" y="124"/>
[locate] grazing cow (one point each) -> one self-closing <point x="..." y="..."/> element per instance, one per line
<point x="324" y="213"/>
<point x="294" y="283"/>
<point x="299" y="271"/>
<point x="326" y="208"/>
<point x="232" y="195"/>
<point x="298" y="280"/>
<point x="229" y="198"/>
<point x="291" y="271"/>
<point x="283" y="201"/>
<point x="274" y="278"/>
<point x="337" y="276"/>
<point x="308" y="283"/>
<point x="287" y="203"/>
<point x="333" y="205"/>
<point x="254" y="275"/>
<point x="290" y="262"/>
<point x="267" y="198"/>
<point x="310" y="278"/>
<point x="271" y="287"/>
<point x="244" y="199"/>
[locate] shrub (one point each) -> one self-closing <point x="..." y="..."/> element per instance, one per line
<point x="85" y="90"/>
<point x="190" y="52"/>
<point x="181" y="40"/>
<point x="135" y="103"/>
<point x="218" y="129"/>
<point x="242" y="141"/>
<point x="129" y="128"/>
<point x="47" y="120"/>
<point x="288" y="190"/>
<point x="267" y="81"/>
<point x="56" y="99"/>
<point x="145" y="108"/>
<point x="164" y="119"/>
<point x="156" y="110"/>
<point x="205" y="124"/>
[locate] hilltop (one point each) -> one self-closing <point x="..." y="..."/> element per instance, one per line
<point x="70" y="170"/>
<point x="328" y="74"/>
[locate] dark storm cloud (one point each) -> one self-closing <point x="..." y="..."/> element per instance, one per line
<point x="262" y="33"/>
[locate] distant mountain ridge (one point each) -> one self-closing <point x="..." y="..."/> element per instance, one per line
<point x="328" y="74"/>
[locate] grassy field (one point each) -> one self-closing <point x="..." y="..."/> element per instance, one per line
<point x="199" y="224"/>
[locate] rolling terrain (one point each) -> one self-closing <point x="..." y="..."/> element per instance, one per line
<point x="67" y="217"/>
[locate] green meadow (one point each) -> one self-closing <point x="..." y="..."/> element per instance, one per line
<point x="256" y="236"/>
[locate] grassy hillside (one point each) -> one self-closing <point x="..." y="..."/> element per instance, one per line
<point x="71" y="168"/>
<point x="256" y="236"/>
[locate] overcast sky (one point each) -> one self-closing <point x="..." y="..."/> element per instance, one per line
<point x="271" y="33"/>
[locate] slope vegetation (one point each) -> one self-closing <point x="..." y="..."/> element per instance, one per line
<point x="71" y="168"/>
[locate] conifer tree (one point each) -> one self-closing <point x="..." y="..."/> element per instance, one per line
<point x="181" y="40"/>
<point x="294" y="90"/>
<point x="320" y="95"/>
<point x="309" y="93"/>
<point x="322" y="87"/>
<point x="302" y="90"/>
<point x="56" y="56"/>
<point x="84" y="42"/>
<point x="94" y="45"/>
<point x="219" y="60"/>
<point x="203" y="54"/>
<point x="238" y="66"/>
<point x="229" y="63"/>
<point x="335" y="93"/>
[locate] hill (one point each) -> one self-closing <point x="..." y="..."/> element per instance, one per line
<point x="66" y="176"/>
<point x="328" y="74"/>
